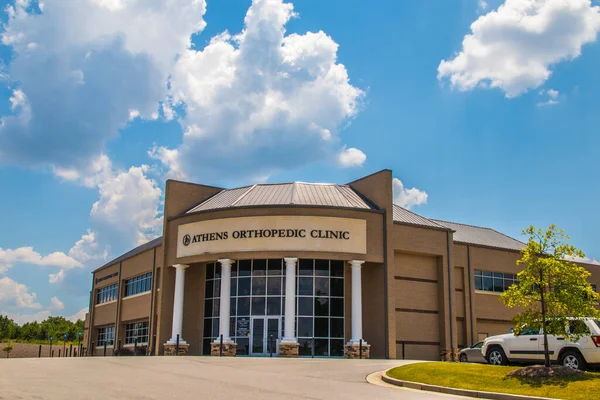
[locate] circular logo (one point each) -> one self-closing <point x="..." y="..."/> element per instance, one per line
<point x="186" y="240"/>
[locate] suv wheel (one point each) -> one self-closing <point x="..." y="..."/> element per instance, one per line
<point x="573" y="359"/>
<point x="463" y="358"/>
<point x="496" y="356"/>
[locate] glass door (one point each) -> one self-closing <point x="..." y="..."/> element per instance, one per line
<point x="265" y="336"/>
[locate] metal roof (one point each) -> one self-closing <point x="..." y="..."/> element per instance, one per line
<point x="316" y="194"/>
<point x="403" y="215"/>
<point x="140" y="249"/>
<point x="477" y="235"/>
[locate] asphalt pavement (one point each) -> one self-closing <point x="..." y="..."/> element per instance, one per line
<point x="195" y="378"/>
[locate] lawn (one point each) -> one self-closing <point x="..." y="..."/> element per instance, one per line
<point x="493" y="379"/>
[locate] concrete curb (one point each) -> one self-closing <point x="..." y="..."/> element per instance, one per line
<point x="454" y="391"/>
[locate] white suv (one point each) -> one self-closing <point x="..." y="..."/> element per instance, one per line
<point x="528" y="347"/>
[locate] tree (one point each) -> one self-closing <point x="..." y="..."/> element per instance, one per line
<point x="9" y="329"/>
<point x="551" y="288"/>
<point x="8" y="349"/>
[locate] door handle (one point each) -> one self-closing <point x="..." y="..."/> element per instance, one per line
<point x="532" y="338"/>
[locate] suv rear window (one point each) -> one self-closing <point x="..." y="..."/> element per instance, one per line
<point x="598" y="323"/>
<point x="578" y="326"/>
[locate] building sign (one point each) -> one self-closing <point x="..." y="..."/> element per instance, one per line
<point x="273" y="233"/>
<point x="243" y="327"/>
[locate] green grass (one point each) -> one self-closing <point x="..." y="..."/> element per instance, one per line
<point x="491" y="378"/>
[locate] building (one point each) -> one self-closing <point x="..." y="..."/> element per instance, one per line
<point x="298" y="268"/>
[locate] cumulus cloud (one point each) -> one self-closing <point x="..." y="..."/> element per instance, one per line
<point x="482" y="5"/>
<point x="56" y="304"/>
<point x="79" y="315"/>
<point x="351" y="157"/>
<point x="23" y="318"/>
<point x="259" y="101"/>
<point x="27" y="255"/>
<point x="514" y="47"/>
<point x="96" y="60"/>
<point x="552" y="97"/>
<point x="407" y="198"/>
<point x="14" y="294"/>
<point x="57" y="278"/>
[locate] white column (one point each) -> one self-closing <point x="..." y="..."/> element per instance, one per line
<point x="290" y="301"/>
<point x="178" y="304"/>
<point x="224" y="301"/>
<point x="356" y="302"/>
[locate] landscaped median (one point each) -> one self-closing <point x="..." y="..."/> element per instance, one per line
<point x="489" y="378"/>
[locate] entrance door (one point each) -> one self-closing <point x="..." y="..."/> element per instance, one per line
<point x="265" y="336"/>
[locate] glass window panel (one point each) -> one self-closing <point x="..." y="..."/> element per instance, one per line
<point x="337" y="287"/>
<point x="321" y="286"/>
<point x="274" y="267"/>
<point x="321" y="327"/>
<point x="243" y="306"/>
<point x="487" y="274"/>
<point x="243" y="345"/>
<point x="321" y="347"/>
<point x="244" y="267"/>
<point x="305" y="348"/>
<point x="507" y="283"/>
<point x="258" y="306"/>
<point x="305" y="286"/>
<point x="274" y="286"/>
<point x="498" y="285"/>
<point x="210" y="271"/>
<point x="215" y="327"/>
<point x="305" y="306"/>
<point x="234" y="269"/>
<point x="337" y="268"/>
<point x="208" y="307"/>
<point x="232" y="326"/>
<point x="336" y="327"/>
<point x="478" y="273"/>
<point x="498" y="275"/>
<point x="207" y="327"/>
<point x="232" y="306"/>
<point x="217" y="288"/>
<point x="217" y="270"/>
<point x="234" y="282"/>
<point x="322" y="267"/>
<point x="305" y="327"/>
<point x="478" y="283"/>
<point x="336" y="348"/>
<point x="216" y="307"/>
<point x="206" y="347"/>
<point x="273" y="305"/>
<point x="488" y="284"/>
<point x="243" y="286"/>
<point x="305" y="267"/>
<point x="208" y="287"/>
<point x="259" y="286"/>
<point x="259" y="267"/>
<point x="337" y="307"/>
<point x="322" y="306"/>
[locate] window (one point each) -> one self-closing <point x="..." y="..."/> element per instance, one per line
<point x="496" y="282"/>
<point x="139" y="284"/>
<point x="108" y="293"/>
<point x="594" y="287"/>
<point x="137" y="330"/>
<point x="106" y="336"/>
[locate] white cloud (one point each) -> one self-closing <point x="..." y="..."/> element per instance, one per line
<point x="482" y="5"/>
<point x="26" y="255"/>
<point x="56" y="304"/>
<point x="87" y="248"/>
<point x="407" y="198"/>
<point x="514" y="47"/>
<point x="259" y="101"/>
<point x="351" y="157"/>
<point x="57" y="278"/>
<point x="79" y="315"/>
<point x="129" y="206"/>
<point x="14" y="294"/>
<point x="96" y="60"/>
<point x="23" y="318"/>
<point x="552" y="97"/>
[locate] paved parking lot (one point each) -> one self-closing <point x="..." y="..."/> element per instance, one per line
<point x="196" y="378"/>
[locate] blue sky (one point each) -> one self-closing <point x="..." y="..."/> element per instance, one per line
<point x="102" y="100"/>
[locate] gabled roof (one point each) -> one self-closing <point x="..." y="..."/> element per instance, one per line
<point x="138" y="250"/>
<point x="477" y="235"/>
<point x="316" y="194"/>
